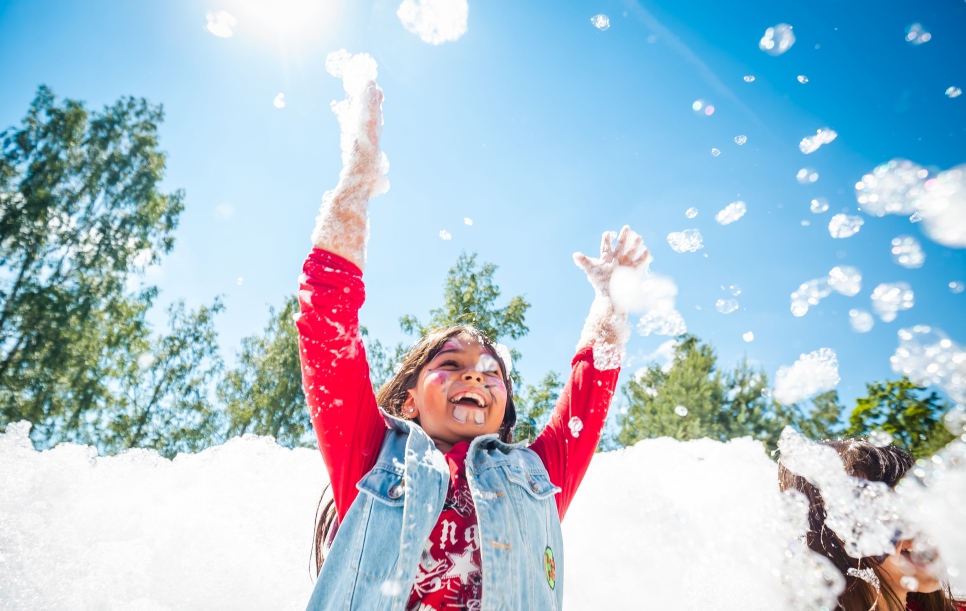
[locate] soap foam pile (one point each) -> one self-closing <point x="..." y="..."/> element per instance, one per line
<point x="903" y="187"/>
<point x="696" y="525"/>
<point x="812" y="373"/>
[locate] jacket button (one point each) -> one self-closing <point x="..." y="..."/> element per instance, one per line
<point x="396" y="491"/>
<point x="534" y="486"/>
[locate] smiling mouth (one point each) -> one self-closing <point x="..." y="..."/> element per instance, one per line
<point x="467" y="403"/>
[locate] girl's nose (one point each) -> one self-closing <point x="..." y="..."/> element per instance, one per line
<point x="473" y="375"/>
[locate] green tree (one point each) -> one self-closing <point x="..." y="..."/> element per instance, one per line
<point x="263" y="393"/>
<point x="913" y="417"/>
<point x="534" y="405"/>
<point x="80" y="213"/>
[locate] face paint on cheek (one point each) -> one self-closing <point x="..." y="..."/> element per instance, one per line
<point x="437" y="378"/>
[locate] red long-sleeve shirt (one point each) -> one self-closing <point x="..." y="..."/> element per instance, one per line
<point x="351" y="430"/>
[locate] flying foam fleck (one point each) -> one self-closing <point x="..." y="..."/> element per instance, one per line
<point x="802" y="79"/>
<point x="861" y="321"/>
<point x="891" y="188"/>
<point x="715" y="152"/>
<point x="915" y="217"/>
<point x="662" y="323"/>
<point x="749" y="79"/>
<point x="731" y="213"/>
<point x="928" y="357"/>
<point x="916" y="34"/>
<point x="239" y="281"/>
<point x="681" y="411"/>
<point x="806" y="176"/>
<point x="688" y="240"/>
<point x="748" y="336"/>
<point x="943" y="207"/>
<point x="504" y="353"/>
<point x="880" y="439"/>
<point x="279" y="101"/>
<point x="907" y="252"/>
<point x="957" y="287"/>
<point x="819" y="205"/>
<point x="691" y="213"/>
<point x="809" y="294"/>
<point x="777" y="39"/>
<point x="812" y="373"/>
<point x="811" y="144"/>
<point x="445" y="235"/>
<point x="697" y="105"/>
<point x="468" y="221"/>
<point x="726" y="306"/>
<point x="739" y="140"/>
<point x="954" y="92"/>
<point x="575" y="426"/>
<point x="889" y="299"/>
<point x="434" y="21"/>
<point x="845" y="280"/>
<point x="601" y="22"/>
<point x="844" y="226"/>
<point x="734" y="289"/>
<point x="221" y="24"/>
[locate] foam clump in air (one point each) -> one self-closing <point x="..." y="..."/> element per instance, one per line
<point x="809" y="294"/>
<point x="812" y="143"/>
<point x="229" y="527"/>
<point x="221" y="23"/>
<point x="861" y="321"/>
<point x="812" y="373"/>
<point x="953" y="92"/>
<point x="844" y="225"/>
<point x="434" y="21"/>
<point x="818" y="205"/>
<point x="777" y="40"/>
<point x="739" y="140"/>
<point x="689" y="240"/>
<point x="907" y="252"/>
<point x="943" y="207"/>
<point x="845" y="279"/>
<point x="929" y="358"/>
<point x="731" y="213"/>
<point x="806" y="176"/>
<point x="957" y="287"/>
<point x="916" y="34"/>
<point x="640" y="291"/>
<point x="601" y="22"/>
<point x="888" y="299"/>
<point x="726" y="306"/>
<point x="691" y="212"/>
<point x="866" y="515"/>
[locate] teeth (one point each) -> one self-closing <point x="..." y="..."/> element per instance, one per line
<point x="479" y="417"/>
<point x="461" y="414"/>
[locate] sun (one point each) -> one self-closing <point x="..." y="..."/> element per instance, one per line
<point x="285" y="23"/>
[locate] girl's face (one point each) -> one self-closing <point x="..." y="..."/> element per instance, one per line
<point x="459" y="394"/>
<point x="905" y="564"/>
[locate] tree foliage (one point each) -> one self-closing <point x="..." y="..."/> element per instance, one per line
<point x="80" y="212"/>
<point x="263" y="393"/>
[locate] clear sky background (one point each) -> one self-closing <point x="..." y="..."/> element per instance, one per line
<point x="545" y="131"/>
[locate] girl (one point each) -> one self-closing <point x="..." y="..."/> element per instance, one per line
<point x="872" y="582"/>
<point x="435" y="508"/>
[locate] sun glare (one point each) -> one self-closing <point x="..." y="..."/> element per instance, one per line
<point x="287" y="23"/>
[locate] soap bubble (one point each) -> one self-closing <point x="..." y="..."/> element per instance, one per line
<point x="715" y="152"/>
<point x="688" y="240"/>
<point x="861" y="321"/>
<point x="445" y="235"/>
<point x="889" y="299"/>
<point x="777" y="40"/>
<point x="844" y="226"/>
<point x="749" y="79"/>
<point x="815" y="372"/>
<point x="802" y="79"/>
<point x="845" y="279"/>
<point x="806" y="176"/>
<point x="766" y="393"/>
<point x="880" y="439"/>
<point x="576" y="425"/>
<point x="739" y="140"/>
<point x="928" y="357"/>
<point x="907" y="252"/>
<point x="916" y="34"/>
<point x="819" y="205"/>
<point x="811" y="144"/>
<point x="726" y="306"/>
<point x="957" y="287"/>
<point x="279" y="101"/>
<point x="601" y="22"/>
<point x="954" y="92"/>
<point x="731" y="213"/>
<point x="691" y="213"/>
<point x="809" y="294"/>
<point x="748" y="336"/>
<point x="680" y="410"/>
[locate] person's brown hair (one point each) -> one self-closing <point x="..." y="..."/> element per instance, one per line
<point x="877" y="464"/>
<point x="391" y="397"/>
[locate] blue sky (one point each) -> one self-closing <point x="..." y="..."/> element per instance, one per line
<point x="545" y="131"/>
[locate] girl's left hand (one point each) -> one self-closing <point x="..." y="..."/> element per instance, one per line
<point x="628" y="252"/>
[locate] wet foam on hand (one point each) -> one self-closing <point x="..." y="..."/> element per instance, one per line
<point x="812" y="373"/>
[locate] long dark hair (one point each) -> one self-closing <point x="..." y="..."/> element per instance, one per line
<point x="877" y="464"/>
<point x="391" y="398"/>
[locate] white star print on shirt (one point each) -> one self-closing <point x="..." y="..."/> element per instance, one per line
<point x="463" y="566"/>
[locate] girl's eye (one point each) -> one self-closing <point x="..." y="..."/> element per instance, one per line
<point x="449" y="363"/>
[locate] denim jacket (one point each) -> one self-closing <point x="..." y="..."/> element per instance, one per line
<point x="373" y="561"/>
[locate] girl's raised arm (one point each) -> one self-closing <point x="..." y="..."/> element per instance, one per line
<point x="335" y="373"/>
<point x="570" y="439"/>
